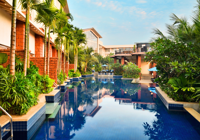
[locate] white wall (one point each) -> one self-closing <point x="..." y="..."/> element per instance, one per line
<point x="32" y="42"/>
<point x="144" y="66"/>
<point x="5" y="28"/>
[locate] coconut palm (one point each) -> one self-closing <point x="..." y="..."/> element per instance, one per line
<point x="46" y="14"/>
<point x="88" y="58"/>
<point x="68" y="38"/>
<point x="13" y="38"/>
<point x="27" y="4"/>
<point x="78" y="38"/>
<point x="61" y="22"/>
<point x="181" y="30"/>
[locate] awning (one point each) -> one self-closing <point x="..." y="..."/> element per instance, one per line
<point x="153" y="69"/>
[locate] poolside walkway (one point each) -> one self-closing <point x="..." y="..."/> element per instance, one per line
<point x="146" y="78"/>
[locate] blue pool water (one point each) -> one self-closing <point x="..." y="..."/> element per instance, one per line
<point x="114" y="109"/>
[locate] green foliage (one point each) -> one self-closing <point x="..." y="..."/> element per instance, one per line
<point x="176" y="59"/>
<point x="118" y="68"/>
<point x="61" y="77"/>
<point x="48" y="83"/>
<point x="19" y="93"/>
<point x="16" y="93"/>
<point x="98" y="67"/>
<point x="131" y="71"/>
<point x="134" y="48"/>
<point x="105" y="60"/>
<point x="3" y="58"/>
<point x="87" y="73"/>
<point x="71" y="73"/>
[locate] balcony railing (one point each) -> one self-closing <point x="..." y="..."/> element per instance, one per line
<point x="121" y="51"/>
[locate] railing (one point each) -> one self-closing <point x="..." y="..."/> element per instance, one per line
<point x="123" y="51"/>
<point x="11" y="125"/>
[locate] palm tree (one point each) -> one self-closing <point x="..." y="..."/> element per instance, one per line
<point x="46" y="14"/>
<point x="27" y="4"/>
<point x="88" y="58"/>
<point x="78" y="38"/>
<point x="68" y="37"/>
<point x="13" y="38"/>
<point x="61" y="22"/>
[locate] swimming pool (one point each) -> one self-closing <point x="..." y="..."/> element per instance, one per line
<point x="115" y="109"/>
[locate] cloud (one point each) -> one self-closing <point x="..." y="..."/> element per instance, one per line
<point x="88" y="1"/>
<point x="98" y="3"/>
<point x="141" y="1"/>
<point x="117" y="6"/>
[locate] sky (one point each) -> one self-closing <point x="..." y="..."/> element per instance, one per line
<point x="122" y="22"/>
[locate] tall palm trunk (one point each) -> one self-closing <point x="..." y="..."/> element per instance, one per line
<point x="64" y="61"/>
<point x="13" y="39"/>
<point x="45" y="44"/>
<point x="68" y="56"/>
<point x="26" y="48"/>
<point x="59" y="58"/>
<point x="85" y="66"/>
<point x="74" y="59"/>
<point x="48" y="49"/>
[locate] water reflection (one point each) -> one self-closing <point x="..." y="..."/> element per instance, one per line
<point x="86" y="99"/>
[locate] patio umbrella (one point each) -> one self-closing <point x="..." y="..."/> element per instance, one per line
<point x="153" y="69"/>
<point x="104" y="65"/>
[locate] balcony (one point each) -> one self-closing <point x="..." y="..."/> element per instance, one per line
<point x="130" y="51"/>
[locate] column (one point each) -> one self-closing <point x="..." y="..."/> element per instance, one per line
<point x="20" y="35"/>
<point x="139" y="59"/>
<point x="115" y="60"/>
<point x="122" y="61"/>
<point x="98" y="45"/>
<point x="139" y="95"/>
<point x="39" y="45"/>
<point x="154" y="72"/>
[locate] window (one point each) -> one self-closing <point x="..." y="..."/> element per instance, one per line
<point x="107" y="50"/>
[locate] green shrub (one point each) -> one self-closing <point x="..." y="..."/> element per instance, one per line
<point x="48" y="83"/>
<point x="98" y="67"/>
<point x="178" y="67"/>
<point x="61" y="77"/>
<point x="131" y="71"/>
<point x="118" y="69"/>
<point x="16" y="93"/>
<point x="87" y="73"/>
<point x="3" y="58"/>
<point x="72" y="74"/>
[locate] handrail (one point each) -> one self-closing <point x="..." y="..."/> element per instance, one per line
<point x="11" y="123"/>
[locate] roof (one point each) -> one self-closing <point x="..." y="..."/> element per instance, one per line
<point x="118" y="46"/>
<point x="93" y="30"/>
<point x="7" y="6"/>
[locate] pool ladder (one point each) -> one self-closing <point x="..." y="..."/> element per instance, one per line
<point x="11" y="125"/>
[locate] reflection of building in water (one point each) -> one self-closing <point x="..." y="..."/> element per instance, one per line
<point x="142" y="99"/>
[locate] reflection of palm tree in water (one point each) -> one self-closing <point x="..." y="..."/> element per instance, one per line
<point x="75" y="118"/>
<point x="161" y="129"/>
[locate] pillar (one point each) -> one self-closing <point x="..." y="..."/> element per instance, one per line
<point x="139" y="95"/>
<point x="54" y="52"/>
<point x="98" y="45"/>
<point x="39" y="46"/>
<point x="20" y="35"/>
<point x="122" y="61"/>
<point x="139" y="59"/>
<point x="154" y="72"/>
<point x="115" y="60"/>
